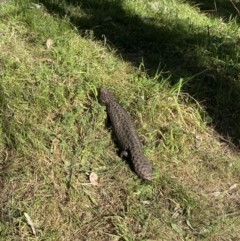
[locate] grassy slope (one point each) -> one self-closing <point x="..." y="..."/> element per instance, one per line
<point x="53" y="132"/>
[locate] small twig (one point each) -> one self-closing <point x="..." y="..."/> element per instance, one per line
<point x="235" y="7"/>
<point x="30" y="223"/>
<point x="215" y="5"/>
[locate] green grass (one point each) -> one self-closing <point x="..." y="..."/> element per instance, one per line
<point x="176" y="71"/>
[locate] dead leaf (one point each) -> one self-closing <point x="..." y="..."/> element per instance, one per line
<point x="17" y="59"/>
<point x="45" y="60"/>
<point x="37" y="6"/>
<point x="55" y="149"/>
<point x="93" y="177"/>
<point x="234" y="186"/>
<point x="55" y="143"/>
<point x="30" y="223"/>
<point x="233" y="189"/>
<point x="49" y="43"/>
<point x="189" y="224"/>
<point x="146" y="202"/>
<point x="177" y="228"/>
<point x="216" y="194"/>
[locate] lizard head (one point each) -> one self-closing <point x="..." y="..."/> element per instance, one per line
<point x="105" y="96"/>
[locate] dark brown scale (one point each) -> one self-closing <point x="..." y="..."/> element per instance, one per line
<point x="126" y="135"/>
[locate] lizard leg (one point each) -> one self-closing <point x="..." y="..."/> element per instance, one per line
<point x="123" y="153"/>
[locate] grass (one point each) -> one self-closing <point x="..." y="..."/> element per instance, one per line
<point x="174" y="68"/>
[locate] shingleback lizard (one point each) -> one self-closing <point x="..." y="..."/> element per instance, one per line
<point x="126" y="135"/>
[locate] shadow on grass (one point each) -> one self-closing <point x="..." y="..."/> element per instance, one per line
<point x="174" y="49"/>
<point x="225" y="9"/>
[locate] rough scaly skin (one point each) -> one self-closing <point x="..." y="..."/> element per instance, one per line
<point x="126" y="135"/>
